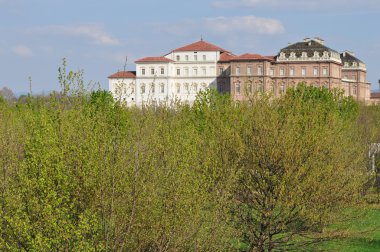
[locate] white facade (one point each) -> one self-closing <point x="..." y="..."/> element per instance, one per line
<point x="175" y="77"/>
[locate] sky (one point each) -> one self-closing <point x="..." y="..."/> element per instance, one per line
<point x="96" y="36"/>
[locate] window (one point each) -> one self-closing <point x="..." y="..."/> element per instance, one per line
<point x="195" y="71"/>
<point x="260" y="87"/>
<point x="186" y="72"/>
<point x="187" y="57"/>
<point x="282" y="88"/>
<point x="152" y="71"/>
<point x="221" y="70"/>
<point x="315" y="71"/>
<point x="204" y="71"/>
<point x="204" y="57"/>
<point x="250" y="89"/>
<point x="142" y="71"/>
<point x="178" y="88"/>
<point x="152" y="88"/>
<point x="237" y="88"/>
<point x="178" y="71"/>
<point x="249" y="70"/>
<point x="162" y="70"/>
<point x="178" y="57"/>
<point x="303" y="71"/>
<point x="324" y="71"/>
<point x="259" y="70"/>
<point x="271" y="72"/>
<point x="282" y="72"/>
<point x="195" y="57"/>
<point x="354" y="90"/>
<point x="187" y="88"/>
<point x="162" y="88"/>
<point x="237" y="70"/>
<point x="291" y="72"/>
<point x="195" y="87"/>
<point x="143" y="88"/>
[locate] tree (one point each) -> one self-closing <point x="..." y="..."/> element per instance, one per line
<point x="7" y="94"/>
<point x="294" y="175"/>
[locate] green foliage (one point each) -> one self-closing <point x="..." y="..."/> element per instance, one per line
<point x="80" y="172"/>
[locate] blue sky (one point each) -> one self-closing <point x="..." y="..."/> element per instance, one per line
<point x="97" y="35"/>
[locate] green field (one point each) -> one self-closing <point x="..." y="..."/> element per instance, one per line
<point x="363" y="235"/>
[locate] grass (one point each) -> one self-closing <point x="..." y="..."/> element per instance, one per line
<point x="363" y="234"/>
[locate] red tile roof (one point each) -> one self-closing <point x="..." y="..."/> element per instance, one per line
<point x="123" y="75"/>
<point x="249" y="56"/>
<point x="200" y="46"/>
<point x="154" y="59"/>
<point x="226" y="57"/>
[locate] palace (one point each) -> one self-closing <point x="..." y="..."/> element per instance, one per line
<point x="182" y="73"/>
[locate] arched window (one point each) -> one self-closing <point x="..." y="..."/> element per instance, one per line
<point x="142" y="88"/>
<point x="250" y="88"/>
<point x="152" y="88"/>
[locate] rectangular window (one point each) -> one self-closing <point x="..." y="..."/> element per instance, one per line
<point x="221" y="70"/>
<point x="162" y="88"/>
<point x="271" y="72"/>
<point x="291" y="72"/>
<point x="282" y="72"/>
<point x="143" y="71"/>
<point x="195" y="71"/>
<point x="303" y="71"/>
<point x="187" y="57"/>
<point x="195" y="57"/>
<point x="259" y="70"/>
<point x="249" y="70"/>
<point x="162" y="70"/>
<point x="178" y="88"/>
<point x="178" y="71"/>
<point x="152" y="71"/>
<point x="204" y="71"/>
<point x="324" y="71"/>
<point x="315" y="71"/>
<point x="186" y="72"/>
<point x="237" y="70"/>
<point x="178" y="57"/>
<point x="204" y="57"/>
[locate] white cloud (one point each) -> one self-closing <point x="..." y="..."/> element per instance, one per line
<point x="224" y="25"/>
<point x="248" y="24"/>
<point x="296" y="4"/>
<point x="22" y="51"/>
<point x="93" y="32"/>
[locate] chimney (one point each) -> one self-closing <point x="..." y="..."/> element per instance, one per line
<point x="319" y="40"/>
